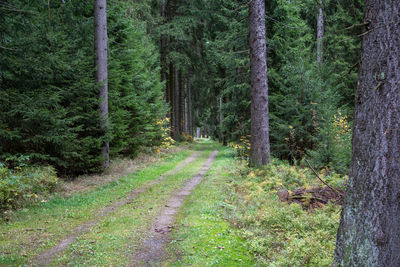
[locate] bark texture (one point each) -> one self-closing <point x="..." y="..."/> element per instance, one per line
<point x="369" y="231"/>
<point x="221" y="118"/>
<point x="181" y="102"/>
<point x="260" y="148"/>
<point x="186" y="116"/>
<point x="163" y="55"/>
<point x="320" y="34"/>
<point x="101" y="51"/>
<point x="190" y="119"/>
<point x="170" y="93"/>
<point x="175" y="107"/>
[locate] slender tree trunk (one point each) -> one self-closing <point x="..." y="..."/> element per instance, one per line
<point x="176" y="132"/>
<point x="170" y="95"/>
<point x="221" y="136"/>
<point x="186" y="116"/>
<point x="190" y="118"/>
<point x="320" y="34"/>
<point x="164" y="50"/>
<point x="181" y="102"/>
<point x="260" y="149"/>
<point x="101" y="50"/>
<point x="369" y="231"/>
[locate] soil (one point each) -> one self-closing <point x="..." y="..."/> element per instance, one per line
<point x="46" y="257"/>
<point x="152" y="251"/>
<point x="117" y="169"/>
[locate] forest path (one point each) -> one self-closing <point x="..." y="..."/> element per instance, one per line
<point x="142" y="219"/>
<point x="152" y="251"/>
<point x="46" y="257"/>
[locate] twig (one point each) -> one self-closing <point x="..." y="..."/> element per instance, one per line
<point x="325" y="183"/>
<point x="305" y="197"/>
<point x="352" y="67"/>
<point x="358" y="25"/>
<point x="242" y="51"/>
<point x="379" y="85"/>
<point x="364" y="33"/>
<point x="5" y="6"/>
<point x="242" y="6"/>
<point x="7" y="48"/>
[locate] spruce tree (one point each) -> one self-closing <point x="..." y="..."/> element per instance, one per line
<point x="260" y="149"/>
<point x="369" y="231"/>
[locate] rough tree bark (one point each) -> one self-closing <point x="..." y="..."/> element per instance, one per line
<point x="175" y="106"/>
<point x="221" y="118"/>
<point x="163" y="55"/>
<point x="181" y="102"/>
<point x="260" y="149"/>
<point x="369" y="231"/>
<point x="190" y="119"/>
<point x="186" y="116"/>
<point x="170" y="93"/>
<point x="320" y="34"/>
<point x="101" y="51"/>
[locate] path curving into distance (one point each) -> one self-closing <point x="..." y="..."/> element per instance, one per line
<point x="49" y="255"/>
<point x="152" y="250"/>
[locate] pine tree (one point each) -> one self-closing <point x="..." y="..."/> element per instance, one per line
<point x="260" y="153"/>
<point x="369" y="231"/>
<point x="101" y="49"/>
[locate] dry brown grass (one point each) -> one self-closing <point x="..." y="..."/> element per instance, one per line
<point x="118" y="168"/>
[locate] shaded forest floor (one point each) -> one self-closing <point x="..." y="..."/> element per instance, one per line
<point x="193" y="206"/>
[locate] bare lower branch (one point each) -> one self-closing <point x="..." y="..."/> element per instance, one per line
<point x="325" y="183"/>
<point x="7" y="48"/>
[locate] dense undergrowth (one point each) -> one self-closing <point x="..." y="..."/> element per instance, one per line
<point x="279" y="234"/>
<point x="25" y="184"/>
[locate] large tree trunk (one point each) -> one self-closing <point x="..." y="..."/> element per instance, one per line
<point x="260" y="149"/>
<point x="320" y="34"/>
<point x="101" y="50"/>
<point x="369" y="231"/>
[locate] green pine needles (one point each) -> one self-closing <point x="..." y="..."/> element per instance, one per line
<point x="48" y="97"/>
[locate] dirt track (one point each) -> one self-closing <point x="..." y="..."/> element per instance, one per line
<point x="153" y="248"/>
<point x="48" y="256"/>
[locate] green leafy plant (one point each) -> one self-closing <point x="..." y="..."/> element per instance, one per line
<point x="25" y="183"/>
<point x="279" y="234"/>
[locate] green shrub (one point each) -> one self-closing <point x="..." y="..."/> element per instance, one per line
<point x="279" y="234"/>
<point x="24" y="184"/>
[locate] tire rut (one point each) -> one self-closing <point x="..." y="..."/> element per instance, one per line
<point x="49" y="255"/>
<point x="152" y="250"/>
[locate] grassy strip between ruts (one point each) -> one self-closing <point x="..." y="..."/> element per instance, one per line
<point x="115" y="237"/>
<point x="202" y="236"/>
<point x="39" y="227"/>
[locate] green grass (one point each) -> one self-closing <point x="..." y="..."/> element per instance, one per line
<point x="35" y="229"/>
<point x="232" y="218"/>
<point x="203" y="237"/>
<point x="111" y="241"/>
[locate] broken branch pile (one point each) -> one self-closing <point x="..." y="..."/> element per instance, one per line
<point x="312" y="198"/>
